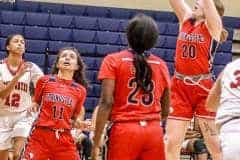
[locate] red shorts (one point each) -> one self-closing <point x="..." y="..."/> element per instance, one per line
<point x="43" y="144"/>
<point x="189" y="100"/>
<point x="135" y="140"/>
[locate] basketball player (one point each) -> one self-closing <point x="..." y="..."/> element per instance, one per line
<point x="225" y="98"/>
<point x="60" y="98"/>
<point x="15" y="77"/>
<point x="135" y="87"/>
<point x="201" y="31"/>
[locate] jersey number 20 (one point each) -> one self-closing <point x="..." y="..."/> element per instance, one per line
<point x="146" y="99"/>
<point x="189" y="51"/>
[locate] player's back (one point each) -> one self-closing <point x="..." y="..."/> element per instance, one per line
<point x="195" y="49"/>
<point x="130" y="102"/>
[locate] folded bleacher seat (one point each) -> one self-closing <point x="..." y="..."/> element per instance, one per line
<point x="7" y="29"/>
<point x="37" y="19"/>
<point x="38" y="59"/>
<point x="51" y="60"/>
<point x="28" y="6"/>
<point x="103" y="50"/>
<point x="70" y="9"/>
<point x="2" y="44"/>
<point x="86" y="49"/>
<point x="56" y="8"/>
<point x="13" y="17"/>
<point x="54" y="46"/>
<point x="222" y="58"/>
<point x="59" y="20"/>
<point x="84" y="36"/>
<point x="6" y="6"/>
<point x="60" y="34"/>
<point x="35" y="32"/>
<point x="93" y="11"/>
<point x="86" y="23"/>
<point x="36" y="46"/>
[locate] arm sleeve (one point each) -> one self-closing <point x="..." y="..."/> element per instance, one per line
<point x="80" y="103"/>
<point x="36" y="73"/>
<point x="40" y="85"/>
<point x="108" y="68"/>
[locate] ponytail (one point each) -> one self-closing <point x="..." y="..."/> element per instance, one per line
<point x="143" y="72"/>
<point x="142" y="34"/>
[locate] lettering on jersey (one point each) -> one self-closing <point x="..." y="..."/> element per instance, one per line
<point x="192" y="37"/>
<point x="20" y="86"/>
<point x="60" y="98"/>
<point x="237" y="78"/>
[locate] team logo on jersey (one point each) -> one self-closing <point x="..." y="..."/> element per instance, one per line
<point x="20" y="86"/>
<point x="60" y="98"/>
<point x="192" y="37"/>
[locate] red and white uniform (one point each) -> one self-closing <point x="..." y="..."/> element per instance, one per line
<point x="194" y="55"/>
<point x="14" y="121"/>
<point x="228" y="114"/>
<point x="51" y="138"/>
<point x="135" y="115"/>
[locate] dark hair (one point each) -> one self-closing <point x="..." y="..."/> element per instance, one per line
<point x="9" y="38"/>
<point x="79" y="75"/>
<point x="142" y="34"/>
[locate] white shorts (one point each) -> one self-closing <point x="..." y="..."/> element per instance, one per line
<point x="14" y="125"/>
<point x="230" y="141"/>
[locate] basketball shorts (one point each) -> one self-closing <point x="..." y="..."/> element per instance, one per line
<point x="135" y="140"/>
<point x="189" y="100"/>
<point x="14" y="125"/>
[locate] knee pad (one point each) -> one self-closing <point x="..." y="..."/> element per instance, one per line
<point x="199" y="147"/>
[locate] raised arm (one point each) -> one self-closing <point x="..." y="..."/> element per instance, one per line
<point x="213" y="19"/>
<point x="181" y="9"/>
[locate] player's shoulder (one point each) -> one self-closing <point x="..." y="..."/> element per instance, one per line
<point x="79" y="88"/>
<point x="156" y="59"/>
<point x="117" y="56"/>
<point x="47" y="78"/>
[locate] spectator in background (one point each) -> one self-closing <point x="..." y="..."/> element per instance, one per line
<point x="16" y="74"/>
<point x="194" y="143"/>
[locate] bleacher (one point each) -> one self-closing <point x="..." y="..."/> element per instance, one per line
<point x="95" y="31"/>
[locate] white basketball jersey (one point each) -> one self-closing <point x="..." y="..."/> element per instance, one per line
<point x="230" y="93"/>
<point x="19" y="99"/>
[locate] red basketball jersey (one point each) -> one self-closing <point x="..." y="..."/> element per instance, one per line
<point x="60" y="100"/>
<point x="130" y="103"/>
<point x="195" y="49"/>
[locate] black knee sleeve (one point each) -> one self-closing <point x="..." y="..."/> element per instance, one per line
<point x="199" y="147"/>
